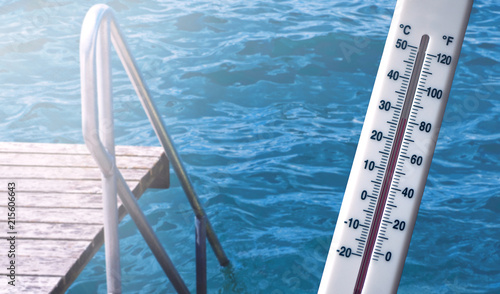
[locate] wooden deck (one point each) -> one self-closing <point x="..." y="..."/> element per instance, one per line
<point x="59" y="208"/>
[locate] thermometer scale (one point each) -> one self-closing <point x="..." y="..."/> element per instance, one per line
<point x="394" y="153"/>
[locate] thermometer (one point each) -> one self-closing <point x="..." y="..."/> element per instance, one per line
<point x="396" y="145"/>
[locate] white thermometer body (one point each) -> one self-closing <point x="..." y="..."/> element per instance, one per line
<point x="397" y="142"/>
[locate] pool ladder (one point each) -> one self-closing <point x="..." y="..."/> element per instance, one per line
<point x="98" y="30"/>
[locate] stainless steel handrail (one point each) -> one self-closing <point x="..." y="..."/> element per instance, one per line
<point x="99" y="27"/>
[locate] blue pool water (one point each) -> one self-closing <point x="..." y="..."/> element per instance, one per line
<point x="265" y="101"/>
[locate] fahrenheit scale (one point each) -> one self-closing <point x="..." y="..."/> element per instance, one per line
<point x="398" y="138"/>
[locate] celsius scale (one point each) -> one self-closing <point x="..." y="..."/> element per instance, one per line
<point x="395" y="149"/>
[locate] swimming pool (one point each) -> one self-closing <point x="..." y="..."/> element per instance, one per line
<point x="265" y="101"/>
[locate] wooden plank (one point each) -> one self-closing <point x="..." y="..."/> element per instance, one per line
<point x="72" y="149"/>
<point x="65" y="173"/>
<point x="40" y="257"/>
<point x="89" y="216"/>
<point x="52" y="231"/>
<point x="62" y="186"/>
<point x="59" y="212"/>
<point x="46" y="248"/>
<point x="58" y="200"/>
<point x="33" y="265"/>
<point x="68" y="160"/>
<point x="29" y="284"/>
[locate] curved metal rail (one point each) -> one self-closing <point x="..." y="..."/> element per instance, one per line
<point x="98" y="29"/>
